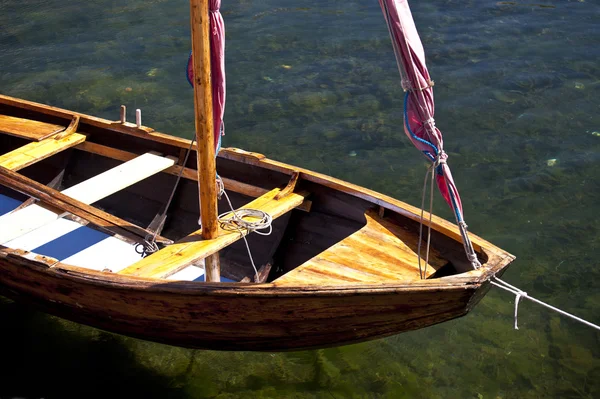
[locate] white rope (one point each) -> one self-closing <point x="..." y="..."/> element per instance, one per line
<point x="234" y="220"/>
<point x="522" y="294"/>
<point x="423" y="271"/>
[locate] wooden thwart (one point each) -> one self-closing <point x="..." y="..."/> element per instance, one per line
<point x="190" y="249"/>
<point x="27" y="128"/>
<point x="38" y="150"/>
<point x="380" y="252"/>
<point x="188" y="173"/>
<point x="76" y="199"/>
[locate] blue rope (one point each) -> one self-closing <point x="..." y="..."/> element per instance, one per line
<point x="439" y="170"/>
<point x="419" y="139"/>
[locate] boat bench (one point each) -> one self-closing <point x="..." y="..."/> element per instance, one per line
<point x="380" y="252"/>
<point x="40" y="228"/>
<point x="193" y="248"/>
<point x="34" y="216"/>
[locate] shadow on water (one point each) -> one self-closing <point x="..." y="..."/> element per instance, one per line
<point x="42" y="357"/>
<point x="315" y="85"/>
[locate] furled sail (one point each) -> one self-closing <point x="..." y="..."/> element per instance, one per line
<point x="419" y="124"/>
<point x="217" y="65"/>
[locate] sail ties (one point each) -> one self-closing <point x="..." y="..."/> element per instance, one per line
<point x="407" y="85"/>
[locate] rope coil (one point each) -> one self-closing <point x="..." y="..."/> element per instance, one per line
<point x="234" y="220"/>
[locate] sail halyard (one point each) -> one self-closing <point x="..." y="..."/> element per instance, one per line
<point x="204" y="122"/>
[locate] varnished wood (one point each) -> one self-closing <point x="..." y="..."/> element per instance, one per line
<point x="203" y="111"/>
<point x="67" y="204"/>
<point x="72" y="128"/>
<point x="248" y="316"/>
<point x="291" y="186"/>
<point x="193" y="248"/>
<point x="27" y="128"/>
<point x="37" y="151"/>
<point x="367" y="297"/>
<point x="380" y="252"/>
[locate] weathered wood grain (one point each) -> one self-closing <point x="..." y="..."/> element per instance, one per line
<point x="192" y="248"/>
<point x="27" y="128"/>
<point x="38" y="150"/>
<point x="379" y="252"/>
<point x="233" y="316"/>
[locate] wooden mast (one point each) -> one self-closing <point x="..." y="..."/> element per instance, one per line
<point x="203" y="110"/>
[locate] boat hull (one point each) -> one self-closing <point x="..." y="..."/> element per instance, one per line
<point x="230" y="317"/>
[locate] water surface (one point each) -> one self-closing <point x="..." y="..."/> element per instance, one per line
<point x="315" y="84"/>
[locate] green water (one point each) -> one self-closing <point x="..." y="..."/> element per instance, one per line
<point x="315" y="84"/>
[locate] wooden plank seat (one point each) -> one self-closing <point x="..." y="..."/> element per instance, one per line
<point x="27" y="219"/>
<point x="380" y="252"/>
<point x="38" y="150"/>
<point x="193" y="248"/>
<point x="27" y="128"/>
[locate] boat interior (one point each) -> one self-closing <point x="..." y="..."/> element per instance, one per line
<point x="89" y="196"/>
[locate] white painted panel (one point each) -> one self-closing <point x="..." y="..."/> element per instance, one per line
<point x="118" y="178"/>
<point x="190" y="273"/>
<point x="43" y="235"/>
<point x="110" y="253"/>
<point x="16" y="224"/>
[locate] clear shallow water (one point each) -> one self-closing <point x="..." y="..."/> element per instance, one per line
<point x="316" y="85"/>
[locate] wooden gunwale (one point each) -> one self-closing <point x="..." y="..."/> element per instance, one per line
<point x="49" y="265"/>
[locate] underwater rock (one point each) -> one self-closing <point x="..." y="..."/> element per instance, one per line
<point x="264" y="106"/>
<point x="313" y="100"/>
<point x="508" y="97"/>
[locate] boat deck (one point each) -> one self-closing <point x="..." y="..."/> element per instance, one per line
<point x="380" y="252"/>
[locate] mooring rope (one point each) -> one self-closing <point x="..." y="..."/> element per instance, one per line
<point x="522" y="294"/>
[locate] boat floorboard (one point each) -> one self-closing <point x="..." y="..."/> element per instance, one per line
<point x="380" y="252"/>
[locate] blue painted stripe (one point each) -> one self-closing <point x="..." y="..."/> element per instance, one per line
<point x="223" y="279"/>
<point x="8" y="204"/>
<point x="71" y="243"/>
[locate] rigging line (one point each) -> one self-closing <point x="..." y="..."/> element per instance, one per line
<point x="236" y="222"/>
<point x="149" y="245"/>
<point x="522" y="294"/>
<point x="423" y="271"/>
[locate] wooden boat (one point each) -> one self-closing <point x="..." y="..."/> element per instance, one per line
<point x="81" y="197"/>
<point x="344" y="257"/>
